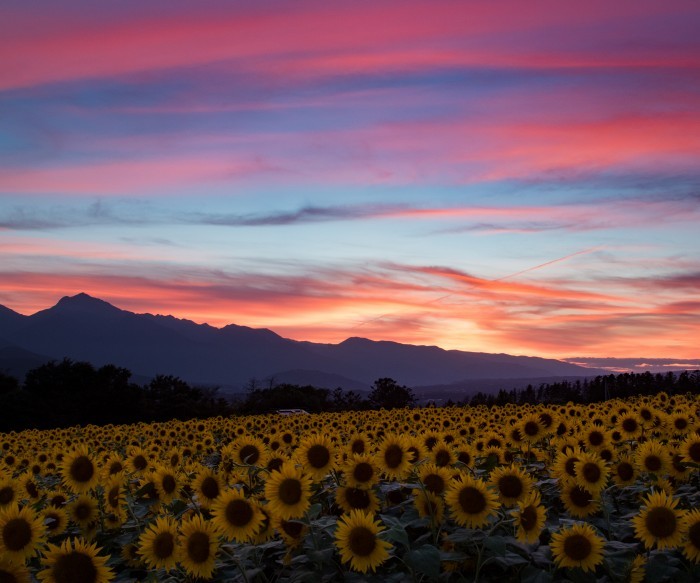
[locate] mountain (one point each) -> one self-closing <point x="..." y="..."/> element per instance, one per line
<point x="82" y="327"/>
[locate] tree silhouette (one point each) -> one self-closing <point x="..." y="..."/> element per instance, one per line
<point x="387" y="393"/>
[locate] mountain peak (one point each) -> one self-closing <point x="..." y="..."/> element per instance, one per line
<point x="83" y="301"/>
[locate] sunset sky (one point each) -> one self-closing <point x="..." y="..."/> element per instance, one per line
<point x="490" y="176"/>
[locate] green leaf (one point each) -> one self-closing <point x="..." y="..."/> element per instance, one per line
<point x="534" y="575"/>
<point x="495" y="546"/>
<point x="425" y="559"/>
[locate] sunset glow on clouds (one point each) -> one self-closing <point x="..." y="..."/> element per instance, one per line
<point x="476" y="175"/>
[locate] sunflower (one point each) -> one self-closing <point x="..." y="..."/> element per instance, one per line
<point x="75" y="561"/>
<point x="55" y="520"/>
<point x="9" y="493"/>
<point x="630" y="426"/>
<point x="652" y="457"/>
<point x="291" y="531"/>
<point x="236" y="516"/>
<point x="435" y="479"/>
<point x="197" y="547"/>
<point x="358" y="444"/>
<point x="429" y="505"/>
<point x="591" y="473"/>
<point x="266" y="530"/>
<point x="246" y="450"/>
<point x="208" y="487"/>
<point x="637" y="570"/>
<point x="288" y="491"/>
<point x="358" y="544"/>
<point x="22" y="532"/>
<point x="83" y="511"/>
<point x="79" y="470"/>
<point x="137" y="461"/>
<point x="114" y="465"/>
<point x="166" y="482"/>
<point x="531" y="428"/>
<point x="443" y="454"/>
<point x="624" y="472"/>
<point x="691" y="547"/>
<point x="577" y="499"/>
<point x="660" y="523"/>
<point x="393" y="456"/>
<point x="471" y="502"/>
<point x="360" y="471"/>
<point x="565" y="463"/>
<point x="529" y="517"/>
<point x="28" y="487"/>
<point x="157" y="545"/>
<point x="511" y="483"/>
<point x="316" y="454"/>
<point x="578" y="546"/>
<point x="13" y="572"/>
<point x="114" y="493"/>
<point x="349" y="499"/>
<point x="690" y="449"/>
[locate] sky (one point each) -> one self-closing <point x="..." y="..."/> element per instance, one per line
<point x="485" y="176"/>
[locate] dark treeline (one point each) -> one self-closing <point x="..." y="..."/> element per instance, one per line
<point x="61" y="394"/>
<point x="597" y="389"/>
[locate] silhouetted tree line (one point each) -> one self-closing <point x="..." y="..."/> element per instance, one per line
<point x="61" y="394"/>
<point x="597" y="389"/>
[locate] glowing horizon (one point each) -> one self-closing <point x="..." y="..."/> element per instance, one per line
<point x="469" y="175"/>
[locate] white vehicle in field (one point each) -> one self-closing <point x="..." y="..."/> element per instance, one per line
<point x="292" y="412"/>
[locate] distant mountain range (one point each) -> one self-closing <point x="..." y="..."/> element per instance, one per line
<point x="85" y="328"/>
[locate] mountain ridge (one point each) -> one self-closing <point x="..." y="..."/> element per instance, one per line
<point x="83" y="327"/>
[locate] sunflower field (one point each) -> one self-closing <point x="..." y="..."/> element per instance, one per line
<point x="602" y="492"/>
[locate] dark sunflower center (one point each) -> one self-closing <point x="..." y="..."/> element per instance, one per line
<point x="290" y="491"/>
<point x="140" y="462"/>
<point x="510" y="486"/>
<point x="75" y="567"/>
<point x="680" y="423"/>
<point x="168" y="484"/>
<point x="249" y="454"/>
<point x="431" y="442"/>
<point x="677" y="462"/>
<point x="580" y="497"/>
<point x="82" y="511"/>
<point x="546" y="419"/>
<point x="434" y="483"/>
<point x="694" y="535"/>
<point x="528" y="518"/>
<point x="239" y="512"/>
<point x="363" y="472"/>
<point x="625" y="470"/>
<point x="113" y="497"/>
<point x="531" y="428"/>
<point x="465" y="457"/>
<point x="318" y="456"/>
<point x="596" y="438"/>
<point x="694" y="452"/>
<point x="164" y="545"/>
<point x="577" y="547"/>
<point x="652" y="463"/>
<point x="115" y="468"/>
<point x="591" y="472"/>
<point x="198" y="547"/>
<point x="357" y="498"/>
<point x="358" y="446"/>
<point x="7" y="495"/>
<point x="210" y="487"/>
<point x="629" y="425"/>
<point x="361" y="541"/>
<point x="472" y="500"/>
<point x="442" y="458"/>
<point x="661" y="522"/>
<point x="274" y="464"/>
<point x="414" y="453"/>
<point x="393" y="456"/>
<point x="82" y="469"/>
<point x="32" y="489"/>
<point x="569" y="466"/>
<point x="16" y="534"/>
<point x="52" y="521"/>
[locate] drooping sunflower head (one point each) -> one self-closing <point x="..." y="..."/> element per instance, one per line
<point x="511" y="483"/>
<point x="471" y="502"/>
<point x="236" y="516"/>
<point x="530" y="517"/>
<point x="660" y="522"/>
<point x="357" y="541"/>
<point x="578" y="546"/>
<point x="75" y="561"/>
